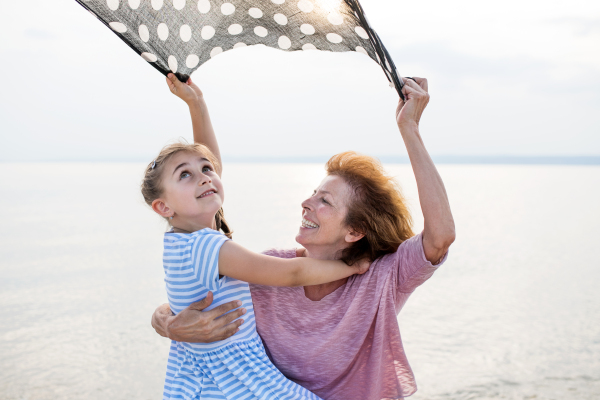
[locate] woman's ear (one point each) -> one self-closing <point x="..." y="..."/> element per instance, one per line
<point x="161" y="208"/>
<point x="353" y="236"/>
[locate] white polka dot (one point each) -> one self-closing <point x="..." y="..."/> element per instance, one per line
<point x="227" y="8"/>
<point x="255" y="12"/>
<point x="179" y="5"/>
<point x="172" y="61"/>
<point x="163" y="31"/>
<point x="334" y="38"/>
<point x="203" y="6"/>
<point x="192" y="60"/>
<point x="307" y="29"/>
<point x="216" y="51"/>
<point x="157" y="5"/>
<point x="305" y="6"/>
<point x="335" y="18"/>
<point x="278" y="1"/>
<point x="235" y="29"/>
<point x="118" y="27"/>
<point x="185" y="32"/>
<point x="144" y="33"/>
<point x="260" y="31"/>
<point x="308" y="46"/>
<point x="238" y="45"/>
<point x="284" y="42"/>
<point x="361" y="32"/>
<point x="134" y="4"/>
<point x="149" y="57"/>
<point x="207" y="32"/>
<point x="360" y="49"/>
<point x="280" y="19"/>
<point x="112" y="4"/>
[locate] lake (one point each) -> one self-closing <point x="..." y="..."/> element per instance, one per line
<point x="513" y="314"/>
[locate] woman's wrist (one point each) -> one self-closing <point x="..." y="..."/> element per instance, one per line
<point x="409" y="127"/>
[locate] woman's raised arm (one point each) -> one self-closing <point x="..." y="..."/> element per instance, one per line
<point x="201" y="124"/>
<point x="438" y="233"/>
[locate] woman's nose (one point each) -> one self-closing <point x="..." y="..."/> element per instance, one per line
<point x="306" y="205"/>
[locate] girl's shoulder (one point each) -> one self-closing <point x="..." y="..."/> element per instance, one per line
<point x="190" y="237"/>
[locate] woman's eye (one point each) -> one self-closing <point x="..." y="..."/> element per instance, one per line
<point x="325" y="201"/>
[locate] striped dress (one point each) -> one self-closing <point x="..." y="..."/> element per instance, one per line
<point x="234" y="368"/>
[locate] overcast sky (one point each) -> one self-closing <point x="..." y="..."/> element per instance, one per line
<point x="506" y="78"/>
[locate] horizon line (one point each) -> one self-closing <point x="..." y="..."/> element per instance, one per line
<point x="385" y="159"/>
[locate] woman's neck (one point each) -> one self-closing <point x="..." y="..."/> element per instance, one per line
<point x="318" y="292"/>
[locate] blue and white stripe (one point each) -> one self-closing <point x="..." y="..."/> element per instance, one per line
<point x="234" y="368"/>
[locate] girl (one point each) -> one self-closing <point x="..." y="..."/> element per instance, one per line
<point x="183" y="185"/>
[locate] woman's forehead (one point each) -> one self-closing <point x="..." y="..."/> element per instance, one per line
<point x="334" y="185"/>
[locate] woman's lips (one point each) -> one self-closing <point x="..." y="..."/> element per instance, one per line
<point x="308" y="224"/>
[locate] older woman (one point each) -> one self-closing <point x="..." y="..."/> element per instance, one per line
<point x="340" y="340"/>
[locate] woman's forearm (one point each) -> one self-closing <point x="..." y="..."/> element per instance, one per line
<point x="438" y="232"/>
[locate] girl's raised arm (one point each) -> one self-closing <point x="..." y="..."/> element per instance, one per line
<point x="201" y="124"/>
<point x="239" y="263"/>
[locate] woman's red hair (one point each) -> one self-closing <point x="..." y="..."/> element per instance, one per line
<point x="377" y="208"/>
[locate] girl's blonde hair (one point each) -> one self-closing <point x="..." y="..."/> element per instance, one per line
<point x="152" y="186"/>
<point x="377" y="208"/>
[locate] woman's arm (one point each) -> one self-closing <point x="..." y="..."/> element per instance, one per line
<point x="196" y="326"/>
<point x="438" y="233"/>
<point x="201" y="124"/>
<point x="239" y="263"/>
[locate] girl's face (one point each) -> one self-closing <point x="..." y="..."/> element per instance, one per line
<point x="323" y="228"/>
<point x="192" y="192"/>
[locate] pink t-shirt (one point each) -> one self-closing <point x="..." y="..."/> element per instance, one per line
<point x="347" y="345"/>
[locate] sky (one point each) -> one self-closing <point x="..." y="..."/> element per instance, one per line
<point x="517" y="78"/>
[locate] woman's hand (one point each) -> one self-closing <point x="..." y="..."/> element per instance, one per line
<point x="408" y="113"/>
<point x="188" y="92"/>
<point x="196" y="326"/>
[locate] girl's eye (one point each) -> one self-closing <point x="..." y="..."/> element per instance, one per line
<point x="206" y="169"/>
<point x="184" y="174"/>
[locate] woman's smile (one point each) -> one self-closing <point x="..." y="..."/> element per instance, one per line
<point x="308" y="224"/>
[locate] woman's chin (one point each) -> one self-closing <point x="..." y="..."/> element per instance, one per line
<point x="304" y="235"/>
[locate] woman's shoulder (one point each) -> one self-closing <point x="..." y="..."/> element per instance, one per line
<point x="281" y="253"/>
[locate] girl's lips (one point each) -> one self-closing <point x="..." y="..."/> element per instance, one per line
<point x="206" y="194"/>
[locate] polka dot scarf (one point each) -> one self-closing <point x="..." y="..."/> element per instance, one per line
<point x="181" y="35"/>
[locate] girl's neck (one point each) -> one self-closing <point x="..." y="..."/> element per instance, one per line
<point x="190" y="229"/>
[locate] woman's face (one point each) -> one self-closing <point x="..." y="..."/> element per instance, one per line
<point x="323" y="217"/>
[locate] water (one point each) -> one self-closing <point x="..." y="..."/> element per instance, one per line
<point x="513" y="314"/>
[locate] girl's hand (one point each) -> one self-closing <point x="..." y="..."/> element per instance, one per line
<point x="362" y="266"/>
<point x="408" y="114"/>
<point x="188" y="92"/>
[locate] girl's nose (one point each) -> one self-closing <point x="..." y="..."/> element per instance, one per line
<point x="204" y="179"/>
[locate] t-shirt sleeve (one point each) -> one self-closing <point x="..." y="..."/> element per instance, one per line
<point x="204" y="255"/>
<point x="412" y="268"/>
